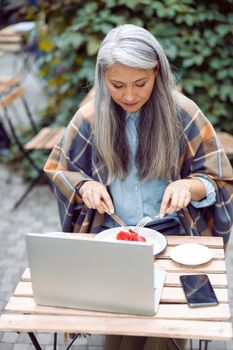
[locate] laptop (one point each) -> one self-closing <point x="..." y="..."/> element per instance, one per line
<point x="112" y="276"/>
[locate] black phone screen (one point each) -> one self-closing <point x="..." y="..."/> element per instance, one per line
<point x="198" y="290"/>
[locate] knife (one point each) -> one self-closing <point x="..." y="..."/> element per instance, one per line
<point x="117" y="219"/>
<point x="114" y="216"/>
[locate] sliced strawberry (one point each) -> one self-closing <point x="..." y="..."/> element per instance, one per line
<point x="123" y="236"/>
<point x="130" y="230"/>
<point x="130" y="236"/>
<point x="141" y="239"/>
<point x="133" y="235"/>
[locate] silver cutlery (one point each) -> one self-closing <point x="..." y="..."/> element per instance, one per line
<point x="145" y="221"/>
<point x="114" y="216"/>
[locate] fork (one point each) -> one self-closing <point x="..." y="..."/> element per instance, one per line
<point x="145" y="221"/>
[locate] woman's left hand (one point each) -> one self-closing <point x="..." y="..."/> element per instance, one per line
<point x="176" y="196"/>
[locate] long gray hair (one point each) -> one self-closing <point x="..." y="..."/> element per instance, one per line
<point x="159" y="126"/>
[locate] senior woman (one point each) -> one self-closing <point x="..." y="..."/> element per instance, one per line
<point x="140" y="148"/>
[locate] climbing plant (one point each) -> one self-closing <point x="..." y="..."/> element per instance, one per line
<point x="196" y="36"/>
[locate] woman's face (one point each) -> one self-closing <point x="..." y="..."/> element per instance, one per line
<point x="129" y="87"/>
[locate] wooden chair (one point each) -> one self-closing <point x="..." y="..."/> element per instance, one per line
<point x="12" y="100"/>
<point x="12" y="41"/>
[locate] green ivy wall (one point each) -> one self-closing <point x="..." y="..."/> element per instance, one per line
<point x="196" y="36"/>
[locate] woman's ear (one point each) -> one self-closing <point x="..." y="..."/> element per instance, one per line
<point x="156" y="70"/>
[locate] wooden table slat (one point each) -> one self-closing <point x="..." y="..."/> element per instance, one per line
<point x="180" y="311"/>
<point x="211" y="242"/>
<point x="218" y="254"/>
<point x="214" y="242"/>
<point x="169" y="294"/>
<point x="214" y="266"/>
<point x="172" y="278"/>
<point x="124" y="326"/>
<point x="217" y="280"/>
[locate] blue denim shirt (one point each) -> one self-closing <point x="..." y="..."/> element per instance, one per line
<point x="133" y="199"/>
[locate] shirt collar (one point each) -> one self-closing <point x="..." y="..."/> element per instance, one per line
<point x="132" y="115"/>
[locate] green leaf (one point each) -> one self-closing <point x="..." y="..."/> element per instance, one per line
<point x="105" y="27"/>
<point x="215" y="63"/>
<point x="166" y="29"/>
<point x="230" y="18"/>
<point x="171" y="51"/>
<point x="222" y="74"/>
<point x="195" y="59"/>
<point x="223" y="29"/>
<point x="188" y="87"/>
<point x="130" y="3"/>
<point x="225" y="91"/>
<point x="137" y="21"/>
<point x="213" y="91"/>
<point x="70" y="39"/>
<point x="93" y="44"/>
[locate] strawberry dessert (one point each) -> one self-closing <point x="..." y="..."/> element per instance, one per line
<point x="130" y="235"/>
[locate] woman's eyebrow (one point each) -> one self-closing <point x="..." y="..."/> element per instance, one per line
<point x="121" y="82"/>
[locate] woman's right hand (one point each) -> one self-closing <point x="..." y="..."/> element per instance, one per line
<point x="95" y="196"/>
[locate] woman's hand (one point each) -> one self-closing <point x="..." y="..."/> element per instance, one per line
<point x="95" y="196"/>
<point x="178" y="195"/>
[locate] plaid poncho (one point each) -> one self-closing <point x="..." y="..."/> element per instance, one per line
<point x="73" y="160"/>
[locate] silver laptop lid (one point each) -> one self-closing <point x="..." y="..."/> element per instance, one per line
<point x="115" y="276"/>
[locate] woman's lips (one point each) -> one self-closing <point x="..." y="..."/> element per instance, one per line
<point x="130" y="104"/>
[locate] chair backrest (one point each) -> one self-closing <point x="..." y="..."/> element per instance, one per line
<point x="16" y="111"/>
<point x="10" y="41"/>
<point x="17" y="114"/>
<point x="45" y="138"/>
<point x="6" y="82"/>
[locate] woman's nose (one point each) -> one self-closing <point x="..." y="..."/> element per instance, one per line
<point x="129" y="95"/>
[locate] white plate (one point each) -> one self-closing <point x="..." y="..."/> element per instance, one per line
<point x="191" y="254"/>
<point x="153" y="237"/>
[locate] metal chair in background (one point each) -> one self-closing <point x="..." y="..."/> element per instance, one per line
<point x="13" y="103"/>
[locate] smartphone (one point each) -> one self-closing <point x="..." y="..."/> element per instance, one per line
<point x="198" y="290"/>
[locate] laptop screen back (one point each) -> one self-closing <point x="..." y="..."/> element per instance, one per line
<point x="90" y="274"/>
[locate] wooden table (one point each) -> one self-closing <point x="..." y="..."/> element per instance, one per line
<point x="174" y="319"/>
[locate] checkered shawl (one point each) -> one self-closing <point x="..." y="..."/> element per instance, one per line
<point x="73" y="160"/>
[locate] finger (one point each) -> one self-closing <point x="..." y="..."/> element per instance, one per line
<point x="107" y="203"/>
<point x="104" y="203"/>
<point x="173" y="203"/>
<point x="181" y="202"/>
<point x="96" y="195"/>
<point x="165" y="202"/>
<point x="102" y="200"/>
<point x="90" y="192"/>
<point x="182" y="197"/>
<point x="86" y="200"/>
<point x="185" y="197"/>
<point x="187" y="200"/>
